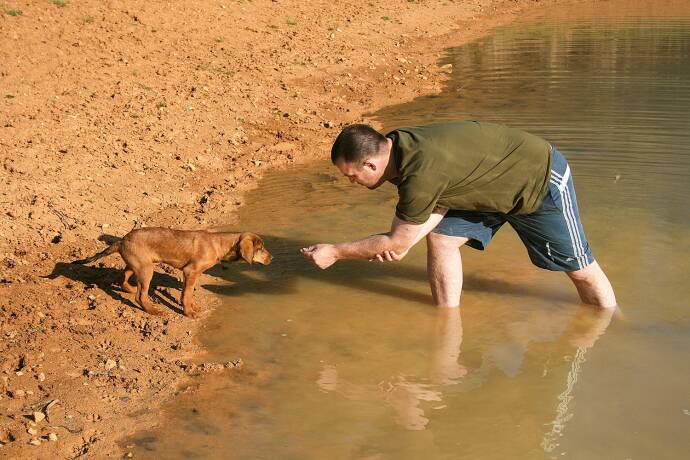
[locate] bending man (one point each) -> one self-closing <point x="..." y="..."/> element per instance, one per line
<point x="458" y="183"/>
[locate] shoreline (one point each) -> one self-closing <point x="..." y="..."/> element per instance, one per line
<point x="109" y="113"/>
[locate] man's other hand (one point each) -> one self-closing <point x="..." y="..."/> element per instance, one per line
<point x="321" y="255"/>
<point x="388" y="256"/>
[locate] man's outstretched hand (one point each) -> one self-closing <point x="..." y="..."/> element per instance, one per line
<point x="321" y="255"/>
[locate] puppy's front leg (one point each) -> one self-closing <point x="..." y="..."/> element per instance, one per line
<point x="190" y="278"/>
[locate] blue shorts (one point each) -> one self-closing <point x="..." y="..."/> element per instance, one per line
<point x="553" y="234"/>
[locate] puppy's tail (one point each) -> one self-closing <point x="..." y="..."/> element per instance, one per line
<point x="112" y="249"/>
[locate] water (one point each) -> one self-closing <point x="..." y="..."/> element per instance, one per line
<point x="355" y="363"/>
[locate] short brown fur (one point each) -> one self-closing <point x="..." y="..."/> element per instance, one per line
<point x="192" y="251"/>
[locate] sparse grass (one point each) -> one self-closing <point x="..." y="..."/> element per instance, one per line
<point x="219" y="39"/>
<point x="222" y="70"/>
<point x="385" y="18"/>
<point x="59" y="3"/>
<point x="295" y="94"/>
<point x="161" y="104"/>
<point x="9" y="96"/>
<point x="142" y="86"/>
<point x="88" y="20"/>
<point x="14" y="13"/>
<point x="291" y="22"/>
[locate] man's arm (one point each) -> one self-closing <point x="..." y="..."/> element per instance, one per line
<point x="402" y="236"/>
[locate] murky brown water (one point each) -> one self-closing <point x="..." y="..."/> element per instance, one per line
<point x="354" y="363"/>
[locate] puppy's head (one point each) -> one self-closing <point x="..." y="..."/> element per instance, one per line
<point x="251" y="249"/>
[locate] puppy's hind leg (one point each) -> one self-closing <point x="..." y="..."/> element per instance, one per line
<point x="144" y="275"/>
<point x="125" y="280"/>
<point x="190" y="278"/>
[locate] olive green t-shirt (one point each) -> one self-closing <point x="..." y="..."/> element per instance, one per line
<point x="468" y="165"/>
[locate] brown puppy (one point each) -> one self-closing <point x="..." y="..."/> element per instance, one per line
<point x="191" y="251"/>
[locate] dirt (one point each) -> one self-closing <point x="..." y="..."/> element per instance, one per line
<point x="144" y="113"/>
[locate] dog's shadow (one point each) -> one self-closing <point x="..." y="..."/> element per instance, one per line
<point x="109" y="281"/>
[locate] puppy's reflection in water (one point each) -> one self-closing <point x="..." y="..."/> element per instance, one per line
<point x="404" y="394"/>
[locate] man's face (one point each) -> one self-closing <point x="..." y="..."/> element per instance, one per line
<point x="368" y="173"/>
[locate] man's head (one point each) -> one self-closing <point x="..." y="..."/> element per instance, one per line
<point x="362" y="154"/>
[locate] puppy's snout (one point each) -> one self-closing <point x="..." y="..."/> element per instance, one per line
<point x="267" y="258"/>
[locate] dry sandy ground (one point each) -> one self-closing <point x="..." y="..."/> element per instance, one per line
<point x="122" y="113"/>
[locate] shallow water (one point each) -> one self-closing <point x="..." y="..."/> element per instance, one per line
<point x="354" y="363"/>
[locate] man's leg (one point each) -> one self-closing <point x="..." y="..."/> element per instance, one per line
<point x="444" y="267"/>
<point x="593" y="286"/>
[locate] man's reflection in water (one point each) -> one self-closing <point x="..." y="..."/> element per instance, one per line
<point x="583" y="332"/>
<point x="404" y="394"/>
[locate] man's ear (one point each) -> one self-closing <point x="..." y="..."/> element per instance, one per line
<point x="247" y="247"/>
<point x="369" y="163"/>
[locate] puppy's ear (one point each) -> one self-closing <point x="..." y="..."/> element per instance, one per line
<point x="247" y="247"/>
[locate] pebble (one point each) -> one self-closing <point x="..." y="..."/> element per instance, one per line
<point x="35" y="442"/>
<point x="110" y="364"/>
<point x="32" y="431"/>
<point x="39" y="416"/>
<point x="52" y="436"/>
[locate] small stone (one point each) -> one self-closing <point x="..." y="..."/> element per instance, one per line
<point x="110" y="364"/>
<point x="41" y="377"/>
<point x="35" y="442"/>
<point x="91" y="297"/>
<point x="52" y="436"/>
<point x="32" y="431"/>
<point x="39" y="416"/>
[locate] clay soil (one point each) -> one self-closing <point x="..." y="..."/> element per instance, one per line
<point x="119" y="114"/>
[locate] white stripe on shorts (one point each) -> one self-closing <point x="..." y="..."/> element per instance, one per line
<point x="561" y="182"/>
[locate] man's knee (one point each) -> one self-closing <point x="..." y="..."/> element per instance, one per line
<point x="588" y="274"/>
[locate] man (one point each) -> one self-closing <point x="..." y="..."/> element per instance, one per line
<point x="458" y="182"/>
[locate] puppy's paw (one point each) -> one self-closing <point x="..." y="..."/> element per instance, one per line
<point x="190" y="313"/>
<point x="128" y="288"/>
<point x="155" y="312"/>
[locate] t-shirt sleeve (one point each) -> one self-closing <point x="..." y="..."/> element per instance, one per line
<point x="417" y="198"/>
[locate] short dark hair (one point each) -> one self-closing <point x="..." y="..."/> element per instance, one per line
<point x="355" y="142"/>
